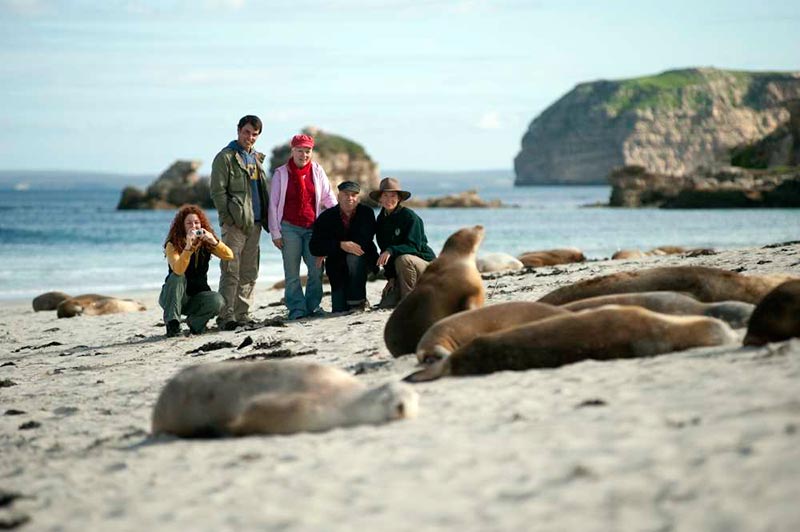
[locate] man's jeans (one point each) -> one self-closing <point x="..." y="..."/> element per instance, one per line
<point x="351" y="291"/>
<point x="295" y="246"/>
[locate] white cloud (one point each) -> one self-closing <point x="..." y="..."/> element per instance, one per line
<point x="489" y="120"/>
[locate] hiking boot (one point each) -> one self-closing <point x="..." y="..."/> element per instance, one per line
<point x="173" y="328"/>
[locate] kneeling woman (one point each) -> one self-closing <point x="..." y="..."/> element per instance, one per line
<point x="189" y="245"/>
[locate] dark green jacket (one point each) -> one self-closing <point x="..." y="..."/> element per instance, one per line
<point x="402" y="233"/>
<point x="231" y="191"/>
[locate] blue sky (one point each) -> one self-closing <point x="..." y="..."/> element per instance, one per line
<point x="130" y="85"/>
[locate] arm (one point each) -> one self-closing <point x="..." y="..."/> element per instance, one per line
<point x="220" y="178"/>
<point x="326" y="195"/>
<point x="324" y="241"/>
<point x="273" y="216"/>
<point x="222" y="251"/>
<point x="178" y="261"/>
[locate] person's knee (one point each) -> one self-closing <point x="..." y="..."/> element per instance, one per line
<point x="217" y="302"/>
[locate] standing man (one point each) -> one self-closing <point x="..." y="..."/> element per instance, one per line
<point x="299" y="192"/>
<point x="239" y="192"/>
<point x="343" y="235"/>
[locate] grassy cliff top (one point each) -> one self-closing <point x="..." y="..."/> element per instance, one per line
<point x="325" y="144"/>
<point x="673" y="89"/>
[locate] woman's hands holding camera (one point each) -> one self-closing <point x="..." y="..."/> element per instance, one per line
<point x="196" y="237"/>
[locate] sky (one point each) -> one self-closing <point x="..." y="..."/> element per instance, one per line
<point x="129" y="86"/>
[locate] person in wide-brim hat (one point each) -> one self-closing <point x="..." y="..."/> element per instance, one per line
<point x="389" y="184"/>
<point x="400" y="233"/>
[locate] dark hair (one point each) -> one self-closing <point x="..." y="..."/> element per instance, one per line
<point x="253" y="120"/>
<point x="177" y="232"/>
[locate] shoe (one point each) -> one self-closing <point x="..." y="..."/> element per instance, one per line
<point x="247" y="320"/>
<point x="229" y="326"/>
<point x="199" y="330"/>
<point x="173" y="328"/>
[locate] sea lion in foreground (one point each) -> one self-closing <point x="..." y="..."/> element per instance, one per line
<point x="450" y="333"/>
<point x="270" y="397"/>
<point x="706" y="284"/>
<point x="776" y="317"/>
<point x="451" y="283"/>
<point x="602" y="334"/>
<point x="96" y="305"/>
<point x="48" y="300"/>
<point x="551" y="257"/>
<point x="734" y="313"/>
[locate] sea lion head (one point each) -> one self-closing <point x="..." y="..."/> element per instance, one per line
<point x="776" y="317"/>
<point x="387" y="402"/>
<point x="465" y="241"/>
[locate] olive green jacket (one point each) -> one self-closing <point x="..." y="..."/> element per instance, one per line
<point x="231" y="191"/>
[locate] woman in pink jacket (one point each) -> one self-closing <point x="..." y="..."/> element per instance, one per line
<point x="299" y="192"/>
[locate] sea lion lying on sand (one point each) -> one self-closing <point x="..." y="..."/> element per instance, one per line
<point x="451" y="283"/>
<point x="48" y="300"/>
<point x="776" y="317"/>
<point x="96" y="305"/>
<point x="450" y="333"/>
<point x="605" y="333"/>
<point x="734" y="313"/>
<point x="270" y="397"/>
<point x="497" y="262"/>
<point x="551" y="257"/>
<point x="706" y="284"/>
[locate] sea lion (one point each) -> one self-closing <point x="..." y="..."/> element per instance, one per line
<point x="734" y="313"/>
<point x="776" y="317"/>
<point x="497" y="262"/>
<point x="706" y="284"/>
<point x="48" y="300"/>
<point x="627" y="254"/>
<point x="451" y="283"/>
<point x="450" y="333"/>
<point x="96" y="305"/>
<point x="602" y="334"/>
<point x="273" y="397"/>
<point x="551" y="257"/>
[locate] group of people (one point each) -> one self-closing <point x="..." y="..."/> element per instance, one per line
<point x="306" y="221"/>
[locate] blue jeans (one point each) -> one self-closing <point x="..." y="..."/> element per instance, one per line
<point x="295" y="246"/>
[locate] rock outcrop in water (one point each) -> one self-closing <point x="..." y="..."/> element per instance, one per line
<point x="342" y="159"/>
<point x="466" y="199"/>
<point x="726" y="187"/>
<point x="179" y="184"/>
<point x="670" y="123"/>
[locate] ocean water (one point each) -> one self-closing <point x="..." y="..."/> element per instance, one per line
<point x="77" y="242"/>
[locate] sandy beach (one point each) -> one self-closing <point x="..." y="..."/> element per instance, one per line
<point x="705" y="439"/>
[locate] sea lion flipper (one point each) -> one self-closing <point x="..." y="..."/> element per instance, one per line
<point x="431" y="373"/>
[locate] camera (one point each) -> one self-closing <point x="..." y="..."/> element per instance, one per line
<point x="198" y="232"/>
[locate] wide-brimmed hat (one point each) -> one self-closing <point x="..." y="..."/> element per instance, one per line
<point x="390" y="184"/>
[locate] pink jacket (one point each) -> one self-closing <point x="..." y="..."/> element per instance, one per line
<point x="277" y="195"/>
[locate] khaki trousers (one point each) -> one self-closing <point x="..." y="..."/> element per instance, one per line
<point x="409" y="269"/>
<point x="238" y="276"/>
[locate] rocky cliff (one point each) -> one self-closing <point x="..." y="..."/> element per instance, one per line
<point x="670" y="123"/>
<point x="342" y="159"/>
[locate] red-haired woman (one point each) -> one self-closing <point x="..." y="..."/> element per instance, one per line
<point x="189" y="245"/>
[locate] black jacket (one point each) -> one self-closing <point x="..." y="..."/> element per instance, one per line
<point x="328" y="232"/>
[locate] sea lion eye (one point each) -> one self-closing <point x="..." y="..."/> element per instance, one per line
<point x="400" y="410"/>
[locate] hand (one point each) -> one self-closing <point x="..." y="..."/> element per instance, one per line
<point x="192" y="241"/>
<point x="352" y="248"/>
<point x="278" y="243"/>
<point x="319" y="261"/>
<point x="208" y="238"/>
<point x="384" y="258"/>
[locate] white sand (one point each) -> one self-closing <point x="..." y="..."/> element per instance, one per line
<point x="700" y="440"/>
